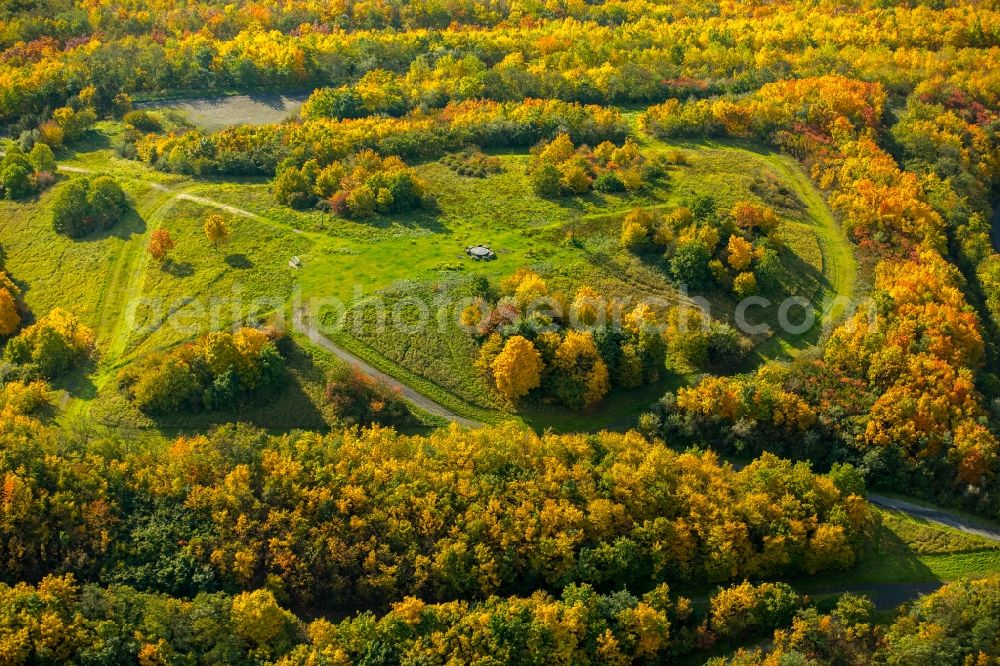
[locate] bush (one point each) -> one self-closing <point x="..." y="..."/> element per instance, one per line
<point x="546" y="181"/>
<point x="609" y="183"/>
<point x="358" y="399"/>
<point x="17" y="175"/>
<point x="144" y="121"/>
<point x="219" y="371"/>
<point x="689" y="265"/>
<point x="86" y="205"/>
<point x="745" y="284"/>
<point x="42" y="158"/>
<point x="472" y="163"/>
<point x="52" y="345"/>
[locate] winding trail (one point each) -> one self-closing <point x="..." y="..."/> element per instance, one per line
<point x="299" y="321"/>
<point x="128" y="271"/>
<point x="935" y="515"/>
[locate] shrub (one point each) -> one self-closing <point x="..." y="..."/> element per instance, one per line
<point x="745" y="284"/>
<point x="546" y="181"/>
<point x="86" y="205"/>
<point x="689" y="265"/>
<point x="17" y="175"/>
<point x="219" y="371"/>
<point x="472" y="162"/>
<point x="609" y="182"/>
<point x="358" y="399"/>
<point x="144" y="121"/>
<point x="42" y="158"/>
<point x="52" y="345"/>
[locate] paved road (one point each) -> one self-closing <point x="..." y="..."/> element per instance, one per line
<point x="967" y="525"/>
<point x="300" y="321"/>
<point x="886" y="596"/>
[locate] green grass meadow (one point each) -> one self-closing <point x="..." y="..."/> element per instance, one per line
<point x="138" y="306"/>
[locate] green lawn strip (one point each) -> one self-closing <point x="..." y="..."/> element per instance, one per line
<point x="908" y="550"/>
<point x="415" y="381"/>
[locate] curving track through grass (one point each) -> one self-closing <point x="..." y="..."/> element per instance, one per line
<point x="114" y="320"/>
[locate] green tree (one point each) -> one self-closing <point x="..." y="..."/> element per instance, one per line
<point x="16" y="174"/>
<point x="70" y="209"/>
<point x="42" y="158"/>
<point x="689" y="265"/>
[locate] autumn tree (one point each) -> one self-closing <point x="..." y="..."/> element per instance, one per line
<point x="42" y="158"/>
<point x="10" y="318"/>
<point x="754" y="217"/>
<point x="518" y="368"/>
<point x="52" y="345"/>
<point x="216" y="229"/>
<point x="160" y="244"/>
<point x="739" y="252"/>
<point x="582" y="378"/>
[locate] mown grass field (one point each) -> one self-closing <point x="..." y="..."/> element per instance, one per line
<point x="215" y="113"/>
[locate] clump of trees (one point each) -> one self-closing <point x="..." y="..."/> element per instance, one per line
<point x="559" y="168"/>
<point x="737" y="251"/>
<point x="878" y="389"/>
<point x="264" y="149"/>
<point x="51" y="346"/>
<point x="541" y="343"/>
<point x="359" y="186"/>
<point x="84" y="206"/>
<point x="357" y="399"/>
<point x="71" y="621"/>
<point x="956" y="624"/>
<point x="455" y="514"/>
<point x="219" y="371"/>
<point x="23" y="174"/>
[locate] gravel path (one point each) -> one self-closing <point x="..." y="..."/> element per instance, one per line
<point x="967" y="525"/>
<point x="418" y="399"/>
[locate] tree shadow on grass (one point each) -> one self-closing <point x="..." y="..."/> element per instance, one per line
<point x="90" y="141"/>
<point x="177" y="269"/>
<point x="77" y="382"/>
<point x="889" y="572"/>
<point x="131" y="224"/>
<point x="428" y="219"/>
<point x="239" y="261"/>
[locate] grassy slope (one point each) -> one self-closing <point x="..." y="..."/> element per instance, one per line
<point x="910" y="550"/>
<point x="526" y="230"/>
<point x="346" y="259"/>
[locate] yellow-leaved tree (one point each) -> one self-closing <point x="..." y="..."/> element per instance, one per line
<point x="518" y="368"/>
<point x="740" y="252"/>
<point x="581" y="374"/>
<point x="216" y="229"/>
<point x="9" y="317"/>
